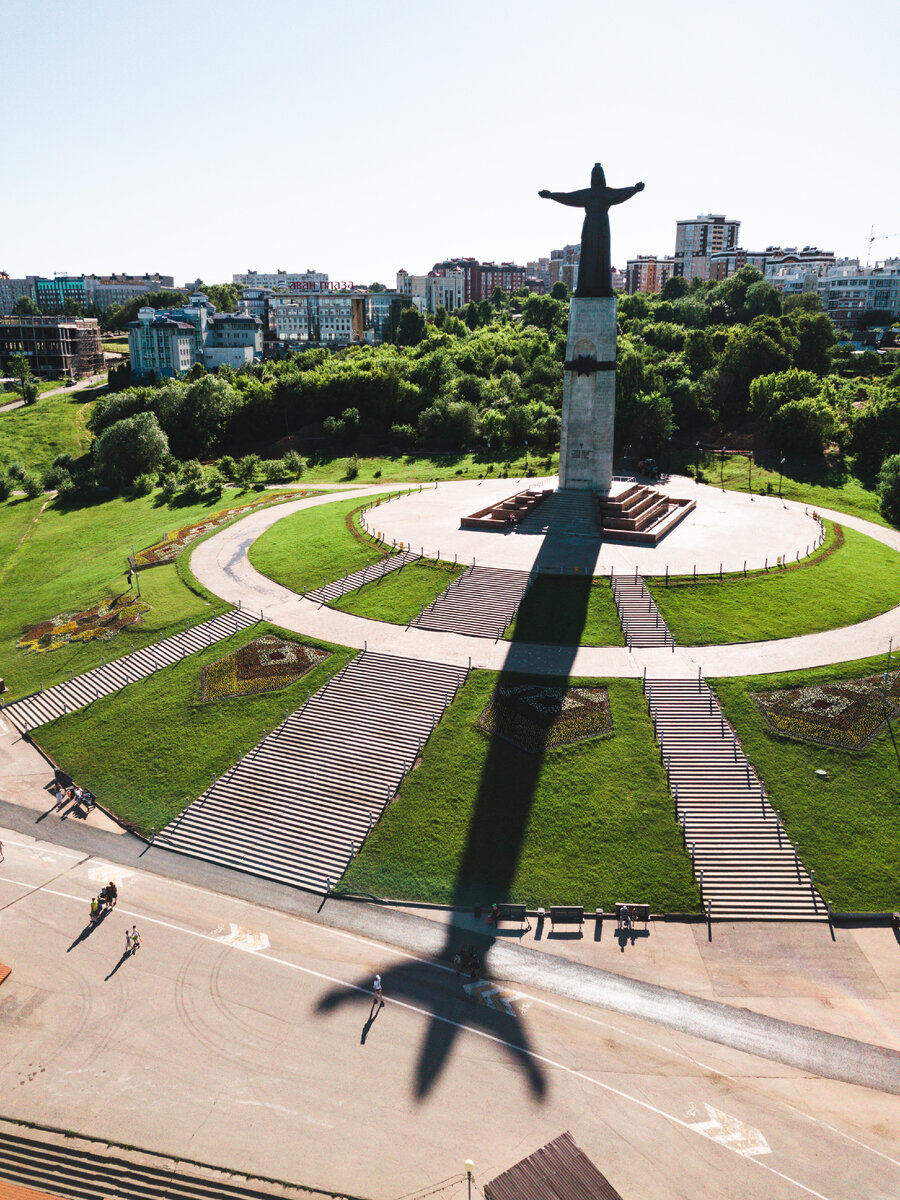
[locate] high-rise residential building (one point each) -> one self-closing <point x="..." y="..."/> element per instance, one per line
<point x="480" y="279"/>
<point x="538" y="272"/>
<point x="12" y="290"/>
<point x="648" y="273"/>
<point x="281" y="279"/>
<point x="696" y="240"/>
<point x="564" y="266"/>
<point x="56" y="347"/>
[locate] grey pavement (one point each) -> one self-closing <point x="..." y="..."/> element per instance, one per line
<point x="247" y="1037"/>
<point x="221" y="563"/>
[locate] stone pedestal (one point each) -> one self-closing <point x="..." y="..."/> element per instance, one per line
<point x="589" y="396"/>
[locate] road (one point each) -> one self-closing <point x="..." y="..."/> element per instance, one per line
<point x="246" y="1037"/>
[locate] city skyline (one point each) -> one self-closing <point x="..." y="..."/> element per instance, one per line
<point x="359" y="142"/>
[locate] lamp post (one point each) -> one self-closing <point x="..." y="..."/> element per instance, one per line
<point x="470" y="1167"/>
<point x="697" y="462"/>
<point x="750" y="472"/>
<point x="780" y="474"/>
<point x="722" y="470"/>
<point x="526" y="454"/>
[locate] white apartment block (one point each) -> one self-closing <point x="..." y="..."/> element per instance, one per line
<point x="441" y="287"/>
<point x="166" y="344"/>
<point x="848" y="290"/>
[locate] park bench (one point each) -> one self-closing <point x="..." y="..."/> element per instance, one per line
<point x="637" y="912"/>
<point x="895" y="922"/>
<point x="512" y="912"/>
<point x="566" y="914"/>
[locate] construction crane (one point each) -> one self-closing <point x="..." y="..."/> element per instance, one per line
<point x="876" y="237"/>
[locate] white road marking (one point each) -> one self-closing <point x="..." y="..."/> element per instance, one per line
<point x="117" y="875"/>
<point x="730" y="1132"/>
<point x="242" y="939"/>
<point x="430" y="1015"/>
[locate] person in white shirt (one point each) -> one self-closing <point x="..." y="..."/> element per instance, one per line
<point x="376" y="991"/>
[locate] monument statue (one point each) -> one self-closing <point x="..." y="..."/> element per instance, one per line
<point x="595" y="266"/>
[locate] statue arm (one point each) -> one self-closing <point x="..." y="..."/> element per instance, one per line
<point x="620" y="195"/>
<point x="572" y="199"/>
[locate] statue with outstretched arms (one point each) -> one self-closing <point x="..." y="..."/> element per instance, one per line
<point x="595" y="266"/>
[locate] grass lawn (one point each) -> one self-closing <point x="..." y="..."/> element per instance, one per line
<point x="848" y="825"/>
<point x="568" y="610"/>
<point x="146" y="748"/>
<point x="835" y="488"/>
<point x="402" y="594"/>
<point x="421" y="468"/>
<point x="590" y="823"/>
<point x="61" y="559"/>
<point x="858" y="580"/>
<point x="36" y="434"/>
<point x="303" y="549"/>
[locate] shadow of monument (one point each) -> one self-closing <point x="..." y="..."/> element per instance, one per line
<point x="487" y="869"/>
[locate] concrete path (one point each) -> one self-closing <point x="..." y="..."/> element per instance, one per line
<point x="276" y="1011"/>
<point x="221" y="563"/>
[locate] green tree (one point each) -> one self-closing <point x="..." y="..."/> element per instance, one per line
<point x="761" y="300"/>
<point x="411" y="328"/>
<point x="377" y="287"/>
<point x="470" y="316"/>
<point x="559" y="291"/>
<point x="803" y="427"/>
<point x="245" y="470"/>
<point x="675" y="287"/>
<point x="888" y="488"/>
<point x="450" y="425"/>
<point x="224" y="296"/>
<point x="20" y="369"/>
<point x="209" y="405"/>
<point x="129" y="448"/>
<point x="769" y="393"/>
<point x="804" y="301"/>
<point x="25" y="307"/>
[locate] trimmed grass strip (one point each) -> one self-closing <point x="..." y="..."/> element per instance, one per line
<point x="567" y="610"/>
<point x="401" y="595"/>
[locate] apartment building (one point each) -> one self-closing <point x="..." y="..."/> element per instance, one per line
<point x="648" y="273"/>
<point x="696" y="240"/>
<point x="167" y="343"/>
<point x="441" y="287"/>
<point x="281" y="279"/>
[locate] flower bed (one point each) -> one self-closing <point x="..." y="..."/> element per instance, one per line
<point x="846" y="714"/>
<point x="102" y="622"/>
<point x="263" y="665"/>
<point x="168" y="549"/>
<point x="535" y="717"/>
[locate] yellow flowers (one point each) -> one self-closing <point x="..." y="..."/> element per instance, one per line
<point x="846" y="714"/>
<point x="103" y="621"/>
<point x="263" y="665"/>
<point x="535" y="717"/>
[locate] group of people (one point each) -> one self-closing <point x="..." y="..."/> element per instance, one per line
<point x="101" y="905"/>
<point x="73" y="794"/>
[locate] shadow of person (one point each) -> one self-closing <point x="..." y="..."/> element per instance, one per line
<point x="84" y="935"/>
<point x="125" y="955"/>
<point x="373" y="1013"/>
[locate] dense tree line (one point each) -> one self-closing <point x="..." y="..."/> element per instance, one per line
<point x="491" y="374"/>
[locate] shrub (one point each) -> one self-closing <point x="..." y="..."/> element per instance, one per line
<point x="32" y="485"/>
<point x="168" y="486"/>
<point x="245" y="470"/>
<point x="15" y="471"/>
<point x="144" y="485"/>
<point x="227" y="466"/>
<point x="191" y="479"/>
<point x="352" y="467"/>
<point x="294" y="464"/>
<point x="215" y="483"/>
<point x="275" y="470"/>
<point x="66" y="485"/>
<point x="5" y="486"/>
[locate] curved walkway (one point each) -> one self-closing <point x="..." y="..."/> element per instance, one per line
<point x="222" y="564"/>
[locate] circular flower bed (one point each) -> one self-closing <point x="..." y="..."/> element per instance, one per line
<point x="535" y="717"/>
<point x="846" y="714"/>
<point x="263" y="665"/>
<point x="102" y="622"/>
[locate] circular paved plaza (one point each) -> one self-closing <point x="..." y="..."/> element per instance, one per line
<point x="726" y="529"/>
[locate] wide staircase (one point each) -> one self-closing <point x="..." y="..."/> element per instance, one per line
<point x="567" y="512"/>
<point x="742" y="857"/>
<point x="369" y="574"/>
<point x="300" y="805"/>
<point x="49" y="1165"/>
<point x="81" y="690"/>
<point x="641" y="620"/>
<point x="481" y="603"/>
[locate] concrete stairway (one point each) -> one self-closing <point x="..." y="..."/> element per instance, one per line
<point x="299" y="805"/>
<point x="566" y="513"/>
<point x="351" y="583"/>
<point x="641" y="620"/>
<point x="481" y="602"/>
<point x="742" y="856"/>
<point x="52" y="702"/>
<point x="80" y="1169"/>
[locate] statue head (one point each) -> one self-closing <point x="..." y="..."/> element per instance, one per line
<point x="598" y="179"/>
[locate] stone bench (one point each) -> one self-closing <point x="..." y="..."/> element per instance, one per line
<point x="566" y="914"/>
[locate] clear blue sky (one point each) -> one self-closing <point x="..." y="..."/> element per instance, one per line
<point x="359" y="137"/>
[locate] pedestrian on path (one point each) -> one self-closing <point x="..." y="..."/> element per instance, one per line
<point x="61" y="796"/>
<point x="95" y="910"/>
<point x="135" y="939"/>
<point x="376" y="992"/>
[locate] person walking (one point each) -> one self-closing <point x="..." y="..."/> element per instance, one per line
<point x="95" y="910"/>
<point x="128" y="943"/>
<point x="376" y="992"/>
<point x="135" y="940"/>
<point x="61" y="796"/>
<point x="112" y="895"/>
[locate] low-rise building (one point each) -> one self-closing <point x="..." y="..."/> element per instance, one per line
<point x="165" y="344"/>
<point x="648" y="273"/>
<point x="336" y="319"/>
<point x="281" y="279"/>
<point x="12" y="290"/>
<point x="847" y="290"/>
<point x="56" y="347"/>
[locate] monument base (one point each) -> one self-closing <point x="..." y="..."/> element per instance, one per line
<point x="589" y="396"/>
